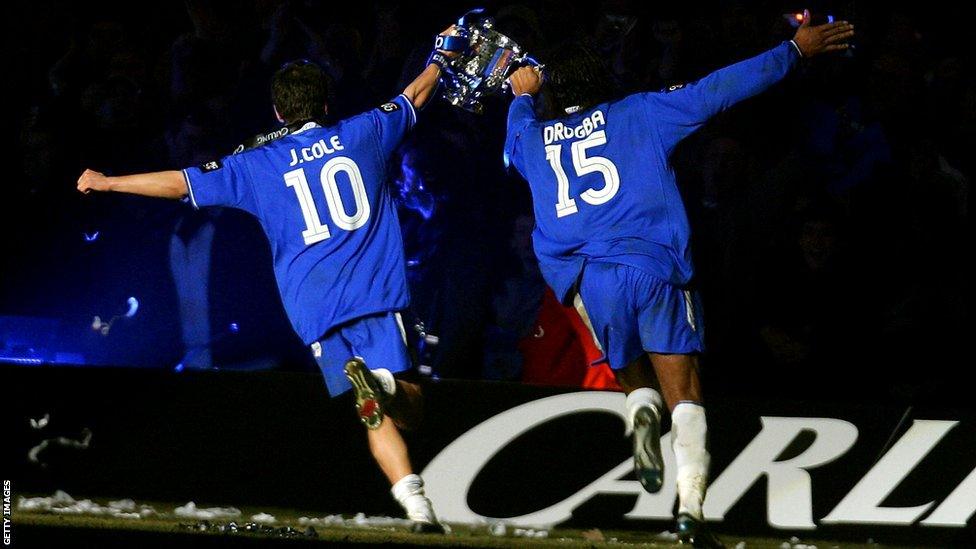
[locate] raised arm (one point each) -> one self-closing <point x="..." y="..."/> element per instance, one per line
<point x="423" y="87"/>
<point x="525" y="83"/>
<point x="168" y="184"/>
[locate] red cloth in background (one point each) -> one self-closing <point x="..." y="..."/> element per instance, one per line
<point x="561" y="349"/>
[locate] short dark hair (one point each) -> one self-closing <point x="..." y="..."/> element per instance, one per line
<point x="575" y="76"/>
<point x="299" y="91"/>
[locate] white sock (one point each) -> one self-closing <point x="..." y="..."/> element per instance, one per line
<point x="409" y="493"/>
<point x="688" y="429"/>
<point x="639" y="398"/>
<point x="386" y="380"/>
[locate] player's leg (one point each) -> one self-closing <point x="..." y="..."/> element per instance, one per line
<point x="381" y="394"/>
<point x="390" y="451"/>
<point x="379" y="340"/>
<point x="405" y="398"/>
<point x="671" y="325"/>
<point x="678" y="376"/>
<point x="644" y="407"/>
<point x="387" y="387"/>
<point x="604" y="303"/>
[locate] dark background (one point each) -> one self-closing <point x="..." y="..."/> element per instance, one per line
<point x="830" y="214"/>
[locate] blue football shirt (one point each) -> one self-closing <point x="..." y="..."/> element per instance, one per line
<point x="320" y="195"/>
<point x="602" y="187"/>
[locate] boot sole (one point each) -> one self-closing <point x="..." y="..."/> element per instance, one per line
<point x="368" y="404"/>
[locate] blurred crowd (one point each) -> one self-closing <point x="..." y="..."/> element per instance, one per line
<point x="829" y="215"/>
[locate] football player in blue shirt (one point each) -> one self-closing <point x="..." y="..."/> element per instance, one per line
<point x="320" y="194"/>
<point x="612" y="236"/>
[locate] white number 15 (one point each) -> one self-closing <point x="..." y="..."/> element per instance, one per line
<point x="565" y="204"/>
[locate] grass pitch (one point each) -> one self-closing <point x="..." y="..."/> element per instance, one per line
<point x="50" y="530"/>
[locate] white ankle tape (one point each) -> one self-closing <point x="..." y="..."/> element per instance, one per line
<point x="409" y="493"/>
<point x="410" y="485"/>
<point x="639" y="398"/>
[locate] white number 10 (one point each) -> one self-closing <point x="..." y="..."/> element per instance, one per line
<point x="315" y="231"/>
<point x="565" y="204"/>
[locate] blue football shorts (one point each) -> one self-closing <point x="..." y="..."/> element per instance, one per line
<point x="630" y="312"/>
<point x="379" y="340"/>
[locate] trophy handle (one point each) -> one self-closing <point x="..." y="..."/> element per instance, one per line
<point x="469" y="17"/>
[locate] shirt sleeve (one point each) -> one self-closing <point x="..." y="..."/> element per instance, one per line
<point x="224" y="182"/>
<point x="680" y="110"/>
<point x="521" y="115"/>
<point x="392" y="121"/>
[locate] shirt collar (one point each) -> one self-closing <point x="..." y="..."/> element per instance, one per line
<point x="308" y="126"/>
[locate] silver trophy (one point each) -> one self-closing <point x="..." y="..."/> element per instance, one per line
<point x="483" y="66"/>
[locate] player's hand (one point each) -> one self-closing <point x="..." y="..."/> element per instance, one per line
<point x="92" y="181"/>
<point x="449" y="31"/>
<point x="822" y="38"/>
<point x="526" y="80"/>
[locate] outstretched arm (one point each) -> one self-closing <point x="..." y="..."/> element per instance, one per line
<point x="684" y="108"/>
<point x="168" y="184"/>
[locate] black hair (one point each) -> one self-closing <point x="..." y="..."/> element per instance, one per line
<point x="576" y="75"/>
<point x="299" y="91"/>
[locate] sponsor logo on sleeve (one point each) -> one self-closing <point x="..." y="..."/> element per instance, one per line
<point x="674" y="87"/>
<point x="213" y="165"/>
<point x="389" y="107"/>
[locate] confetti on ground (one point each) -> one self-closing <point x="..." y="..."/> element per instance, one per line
<point x="191" y="511"/>
<point x="63" y="504"/>
<point x="263" y="518"/>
